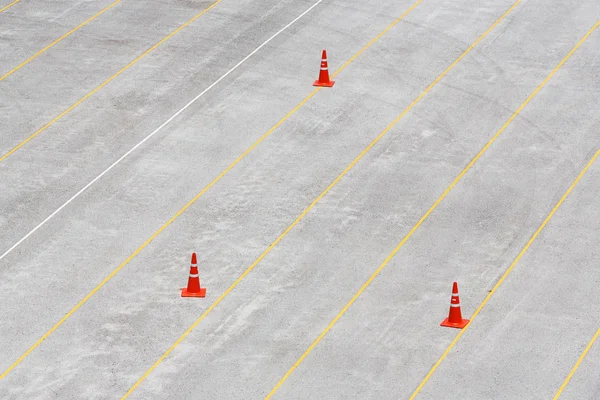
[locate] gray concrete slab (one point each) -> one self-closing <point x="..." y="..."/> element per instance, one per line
<point x="43" y="175"/>
<point x="526" y="340"/>
<point x="29" y="26"/>
<point x="309" y="280"/>
<point x="271" y="318"/>
<point x="77" y="65"/>
<point x="249" y="212"/>
<point x="584" y="383"/>
<point x="87" y="235"/>
<point x="390" y="337"/>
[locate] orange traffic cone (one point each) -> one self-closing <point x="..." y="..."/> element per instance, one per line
<point x="455" y="319"/>
<point x="324" y="73"/>
<point x="193" y="288"/>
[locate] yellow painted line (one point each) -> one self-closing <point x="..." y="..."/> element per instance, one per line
<point x="424" y="381"/>
<point x="305" y="212"/>
<point x="414" y="228"/>
<point x="588" y="347"/>
<point x="106" y="82"/>
<point x="9" y="5"/>
<point x="18" y="67"/>
<point x="195" y="198"/>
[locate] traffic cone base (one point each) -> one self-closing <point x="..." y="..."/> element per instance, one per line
<point x="458" y="325"/>
<point x="201" y="293"/>
<point x="324" y="84"/>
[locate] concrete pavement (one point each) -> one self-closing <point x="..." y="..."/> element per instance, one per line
<point x="383" y="346"/>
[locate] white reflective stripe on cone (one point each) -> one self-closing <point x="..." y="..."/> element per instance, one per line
<point x="193" y="275"/>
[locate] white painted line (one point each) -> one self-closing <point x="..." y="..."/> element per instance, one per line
<point x="155" y="131"/>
